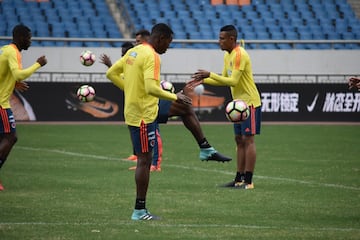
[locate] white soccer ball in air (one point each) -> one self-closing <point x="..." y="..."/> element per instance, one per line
<point x="85" y="93"/>
<point x="87" y="58"/>
<point x="199" y="89"/>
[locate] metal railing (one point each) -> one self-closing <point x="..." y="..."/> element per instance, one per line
<point x="189" y="42"/>
<point x="182" y="78"/>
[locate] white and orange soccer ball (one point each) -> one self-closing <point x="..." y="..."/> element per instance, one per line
<point x="237" y="111"/>
<point x="87" y="58"/>
<point x="85" y="93"/>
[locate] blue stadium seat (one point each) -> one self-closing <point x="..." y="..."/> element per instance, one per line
<point x="347" y="35"/>
<point x="270" y="19"/>
<point x="248" y="35"/>
<point x="277" y="35"/>
<point x="291" y="36"/>
<point x="262" y="35"/>
<point x="56" y="18"/>
<point x="276" y="19"/>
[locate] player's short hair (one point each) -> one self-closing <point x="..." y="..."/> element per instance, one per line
<point x="162" y="29"/>
<point x="143" y="33"/>
<point x="230" y="29"/>
<point x="20" y="31"/>
<point x="127" y="45"/>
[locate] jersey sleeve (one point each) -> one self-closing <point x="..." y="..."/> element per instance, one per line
<point x="15" y="67"/>
<point x="153" y="88"/>
<point x="115" y="73"/>
<point x="218" y="80"/>
<point x="235" y="72"/>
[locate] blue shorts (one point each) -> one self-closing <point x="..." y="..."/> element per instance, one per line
<point x="250" y="126"/>
<point x="143" y="137"/>
<point x="163" y="113"/>
<point x="7" y="123"/>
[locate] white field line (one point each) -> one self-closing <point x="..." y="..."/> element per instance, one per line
<point x="131" y="223"/>
<point x="188" y="168"/>
<point x="153" y="224"/>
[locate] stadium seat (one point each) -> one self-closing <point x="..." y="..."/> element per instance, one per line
<point x="54" y="18"/>
<point x="270" y="19"/>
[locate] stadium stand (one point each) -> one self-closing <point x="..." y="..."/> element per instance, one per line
<point x="190" y="19"/>
<point x="66" y="18"/>
<point x="259" y="20"/>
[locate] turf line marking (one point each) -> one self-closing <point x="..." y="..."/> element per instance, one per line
<point x="157" y="225"/>
<point x="188" y="168"/>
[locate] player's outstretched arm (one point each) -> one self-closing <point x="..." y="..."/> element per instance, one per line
<point x="22" y="74"/>
<point x="201" y="74"/>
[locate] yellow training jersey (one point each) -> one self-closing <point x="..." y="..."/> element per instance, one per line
<point x="138" y="74"/>
<point x="237" y="73"/>
<point x="11" y="71"/>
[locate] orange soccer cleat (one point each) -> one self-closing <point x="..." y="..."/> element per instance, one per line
<point x="132" y="158"/>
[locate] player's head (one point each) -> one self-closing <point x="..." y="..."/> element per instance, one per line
<point x="142" y="36"/>
<point x="21" y="36"/>
<point x="160" y="38"/>
<point x="227" y="37"/>
<point x="125" y="47"/>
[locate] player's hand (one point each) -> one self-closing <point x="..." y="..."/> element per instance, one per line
<point x="188" y="88"/>
<point x="105" y="59"/>
<point x="42" y="60"/>
<point x="194" y="83"/>
<point x="182" y="98"/>
<point x="21" y="86"/>
<point x="201" y="74"/>
<point x="354" y="83"/>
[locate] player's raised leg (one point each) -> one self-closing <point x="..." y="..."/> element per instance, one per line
<point x="191" y="122"/>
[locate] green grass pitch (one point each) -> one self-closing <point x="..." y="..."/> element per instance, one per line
<point x="70" y="182"/>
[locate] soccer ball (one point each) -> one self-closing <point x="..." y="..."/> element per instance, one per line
<point x="237" y="111"/>
<point x="87" y="58"/>
<point x="85" y="93"/>
<point x="167" y="86"/>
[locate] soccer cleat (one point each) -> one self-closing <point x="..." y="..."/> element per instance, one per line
<point x="239" y="185"/>
<point x="132" y="158"/>
<point x="1" y="187"/>
<point x="210" y="154"/>
<point x="244" y="185"/>
<point x="154" y="168"/>
<point x="143" y="214"/>
<point x="132" y="168"/>
<point x="229" y="184"/>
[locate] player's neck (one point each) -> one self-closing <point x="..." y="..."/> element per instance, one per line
<point x="17" y="45"/>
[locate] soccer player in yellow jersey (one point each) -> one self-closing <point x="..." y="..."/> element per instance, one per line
<point x="237" y="74"/>
<point x="169" y="109"/>
<point x="11" y="72"/>
<point x="141" y="85"/>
